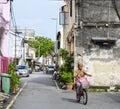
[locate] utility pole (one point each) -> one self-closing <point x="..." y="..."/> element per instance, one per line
<point x="15" y="46"/>
<point x="15" y="50"/>
<point x="24" y="46"/>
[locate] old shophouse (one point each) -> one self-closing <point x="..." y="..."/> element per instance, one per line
<point x="91" y="29"/>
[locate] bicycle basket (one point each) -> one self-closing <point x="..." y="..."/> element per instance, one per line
<point x="85" y="83"/>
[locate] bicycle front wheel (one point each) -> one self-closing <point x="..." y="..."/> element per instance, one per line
<point x="77" y="97"/>
<point x="84" y="97"/>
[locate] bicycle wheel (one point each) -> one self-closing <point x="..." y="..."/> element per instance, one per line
<point x="84" y="97"/>
<point x="77" y="97"/>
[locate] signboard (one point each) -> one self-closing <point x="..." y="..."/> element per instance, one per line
<point x="18" y="32"/>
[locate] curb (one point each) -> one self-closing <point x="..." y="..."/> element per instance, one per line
<point x="58" y="88"/>
<point x="13" y="100"/>
<point x="56" y="85"/>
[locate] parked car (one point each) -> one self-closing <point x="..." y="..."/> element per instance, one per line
<point x="50" y="69"/>
<point x="22" y="70"/>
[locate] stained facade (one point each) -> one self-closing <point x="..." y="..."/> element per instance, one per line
<point x="95" y="30"/>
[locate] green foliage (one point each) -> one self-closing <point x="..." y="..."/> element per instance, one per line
<point x="66" y="69"/>
<point x="63" y="53"/>
<point x="11" y="67"/>
<point x="66" y="77"/>
<point x="14" y="78"/>
<point x="43" y="45"/>
<point x="68" y="61"/>
<point x="62" y="68"/>
<point x="1" y="105"/>
<point x="96" y="90"/>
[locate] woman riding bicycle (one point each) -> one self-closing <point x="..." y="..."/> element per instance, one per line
<point x="78" y="75"/>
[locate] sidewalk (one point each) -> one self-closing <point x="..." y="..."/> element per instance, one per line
<point x="7" y="103"/>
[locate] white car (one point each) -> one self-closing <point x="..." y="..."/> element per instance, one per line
<point x="22" y="70"/>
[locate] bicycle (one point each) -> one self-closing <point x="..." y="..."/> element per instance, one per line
<point x="82" y="96"/>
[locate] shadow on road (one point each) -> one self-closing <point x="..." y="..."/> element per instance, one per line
<point x="70" y="100"/>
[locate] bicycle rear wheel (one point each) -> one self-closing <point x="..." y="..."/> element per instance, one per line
<point x="84" y="97"/>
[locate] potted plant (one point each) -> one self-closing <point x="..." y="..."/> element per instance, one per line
<point x="14" y="78"/>
<point x="66" y="69"/>
<point x="67" y="78"/>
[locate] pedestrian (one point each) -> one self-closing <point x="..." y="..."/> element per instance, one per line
<point x="55" y="74"/>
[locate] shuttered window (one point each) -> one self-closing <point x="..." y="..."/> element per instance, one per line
<point x="70" y="8"/>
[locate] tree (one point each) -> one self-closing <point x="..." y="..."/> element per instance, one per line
<point x="15" y="80"/>
<point x="43" y="45"/>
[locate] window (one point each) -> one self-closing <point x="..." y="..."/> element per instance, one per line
<point x="70" y="8"/>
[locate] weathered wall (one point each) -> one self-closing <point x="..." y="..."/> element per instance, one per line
<point x="98" y="18"/>
<point x="98" y="10"/>
<point x="105" y="69"/>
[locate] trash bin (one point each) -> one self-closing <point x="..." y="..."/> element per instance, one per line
<point x="6" y="79"/>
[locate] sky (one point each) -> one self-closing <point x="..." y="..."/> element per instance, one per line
<point x="37" y="15"/>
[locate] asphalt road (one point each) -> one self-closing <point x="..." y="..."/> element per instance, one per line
<point x="41" y="93"/>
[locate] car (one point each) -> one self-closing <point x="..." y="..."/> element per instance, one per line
<point x="50" y="69"/>
<point x="22" y="70"/>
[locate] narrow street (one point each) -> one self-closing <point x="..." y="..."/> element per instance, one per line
<point x="75" y="38"/>
<point x="41" y="93"/>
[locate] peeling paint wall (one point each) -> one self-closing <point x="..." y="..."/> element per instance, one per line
<point x="102" y="61"/>
<point x="105" y="71"/>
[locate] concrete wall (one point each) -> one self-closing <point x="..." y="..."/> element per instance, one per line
<point x="105" y="71"/>
<point x="98" y="10"/>
<point x="98" y="19"/>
